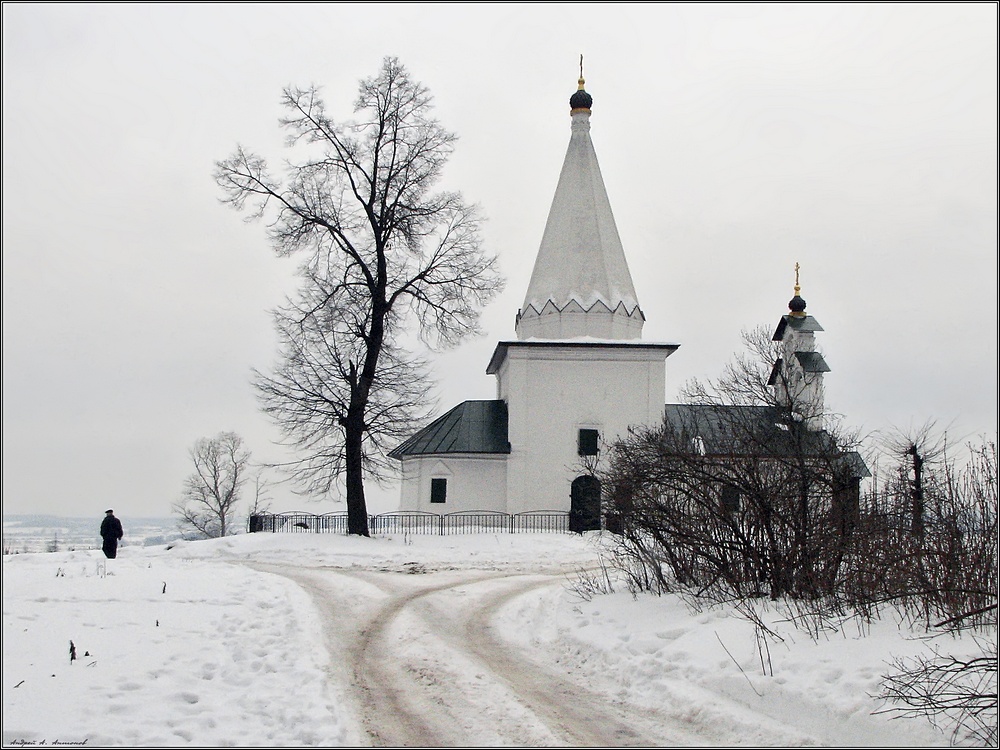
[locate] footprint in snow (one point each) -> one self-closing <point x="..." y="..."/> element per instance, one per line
<point x="671" y="635"/>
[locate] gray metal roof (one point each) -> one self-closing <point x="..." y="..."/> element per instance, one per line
<point x="720" y="430"/>
<point x="471" y="427"/>
<point x="806" y="323"/>
<point x="812" y="361"/>
<point x="724" y="430"/>
<point x="775" y="370"/>
<point x="481" y="427"/>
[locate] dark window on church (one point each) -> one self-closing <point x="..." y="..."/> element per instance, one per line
<point x="439" y="490"/>
<point x="730" y="499"/>
<point x="587" y="442"/>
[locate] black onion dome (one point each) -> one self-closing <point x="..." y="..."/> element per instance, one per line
<point x="797" y="304"/>
<point x="581" y="99"/>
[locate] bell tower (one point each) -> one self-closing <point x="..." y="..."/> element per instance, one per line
<point x="797" y="375"/>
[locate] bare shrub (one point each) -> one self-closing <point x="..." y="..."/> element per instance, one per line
<point x="943" y="567"/>
<point x="958" y="695"/>
<point x="591" y="582"/>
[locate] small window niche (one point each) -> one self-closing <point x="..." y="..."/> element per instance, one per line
<point x="587" y="441"/>
<point x="439" y="490"/>
<point x="730" y="500"/>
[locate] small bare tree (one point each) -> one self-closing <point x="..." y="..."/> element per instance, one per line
<point x="931" y="549"/>
<point x="212" y="491"/>
<point x="383" y="253"/>
<point x="920" y="455"/>
<point x="261" y="501"/>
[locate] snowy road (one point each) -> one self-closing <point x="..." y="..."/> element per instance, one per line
<point x="428" y="667"/>
<point x="320" y="640"/>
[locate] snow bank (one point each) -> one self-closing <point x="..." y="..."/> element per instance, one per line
<point x="717" y="670"/>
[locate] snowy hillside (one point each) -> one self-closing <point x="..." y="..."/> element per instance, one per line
<point x="212" y="644"/>
<point x="46" y="533"/>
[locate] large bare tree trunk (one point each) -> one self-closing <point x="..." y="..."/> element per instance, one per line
<point x="357" y="511"/>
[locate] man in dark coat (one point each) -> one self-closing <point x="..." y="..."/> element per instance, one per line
<point x="111" y="532"/>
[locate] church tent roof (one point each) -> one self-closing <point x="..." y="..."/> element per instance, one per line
<point x="580" y="265"/>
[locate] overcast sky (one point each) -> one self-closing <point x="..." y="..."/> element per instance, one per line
<point x="735" y="140"/>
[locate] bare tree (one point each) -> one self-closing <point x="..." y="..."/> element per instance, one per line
<point x="945" y="568"/>
<point x="920" y="456"/>
<point x="737" y="494"/>
<point x="384" y="254"/>
<point x="212" y="491"/>
<point x="260" y="502"/>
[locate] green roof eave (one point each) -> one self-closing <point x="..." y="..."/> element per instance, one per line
<point x="472" y="427"/>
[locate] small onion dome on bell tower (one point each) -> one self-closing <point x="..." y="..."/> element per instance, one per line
<point x="581" y="101"/>
<point x="797" y="305"/>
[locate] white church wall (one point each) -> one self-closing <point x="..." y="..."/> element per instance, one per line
<point x="474" y="482"/>
<point x="552" y="393"/>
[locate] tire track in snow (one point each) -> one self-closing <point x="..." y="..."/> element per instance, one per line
<point x="584" y="717"/>
<point x="398" y="711"/>
<point x="428" y="668"/>
<point x="358" y="609"/>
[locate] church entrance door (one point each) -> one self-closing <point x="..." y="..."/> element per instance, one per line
<point x="585" y="504"/>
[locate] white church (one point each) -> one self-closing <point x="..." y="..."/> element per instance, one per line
<point x="578" y="373"/>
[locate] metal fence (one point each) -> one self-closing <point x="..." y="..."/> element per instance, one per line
<point x="415" y="522"/>
<point x="410" y="521"/>
<point x="540" y="521"/>
<point x="298" y="521"/>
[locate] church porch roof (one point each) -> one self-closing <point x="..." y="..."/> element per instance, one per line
<point x="470" y="427"/>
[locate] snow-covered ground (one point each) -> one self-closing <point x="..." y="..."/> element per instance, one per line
<point x="213" y="644"/>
